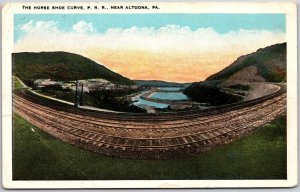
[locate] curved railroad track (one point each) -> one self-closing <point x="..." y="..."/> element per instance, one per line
<point x="149" y="136"/>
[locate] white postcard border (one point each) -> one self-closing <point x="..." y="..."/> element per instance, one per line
<point x="231" y="7"/>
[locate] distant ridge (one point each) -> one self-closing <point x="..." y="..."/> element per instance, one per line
<point x="157" y="83"/>
<point x="61" y="66"/>
<point x="266" y="64"/>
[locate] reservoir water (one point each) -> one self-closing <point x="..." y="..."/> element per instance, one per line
<point x="141" y="103"/>
<point x="170" y="96"/>
<point x="164" y="93"/>
<point x="170" y="88"/>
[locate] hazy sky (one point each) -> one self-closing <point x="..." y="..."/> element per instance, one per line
<point x="171" y="47"/>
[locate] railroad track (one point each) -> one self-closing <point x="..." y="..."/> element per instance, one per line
<point x="148" y="136"/>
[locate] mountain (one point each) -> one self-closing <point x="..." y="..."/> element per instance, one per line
<point x="156" y="83"/>
<point x="61" y="66"/>
<point x="266" y="64"/>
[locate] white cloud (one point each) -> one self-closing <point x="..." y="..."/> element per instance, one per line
<point x="164" y="39"/>
<point x="174" y="37"/>
<point x="39" y="26"/>
<point x="84" y="27"/>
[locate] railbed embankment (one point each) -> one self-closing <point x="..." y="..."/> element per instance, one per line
<point x="150" y="136"/>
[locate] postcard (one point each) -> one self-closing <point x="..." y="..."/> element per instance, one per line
<point x="149" y="95"/>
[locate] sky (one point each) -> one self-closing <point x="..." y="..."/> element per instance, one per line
<point x="170" y="47"/>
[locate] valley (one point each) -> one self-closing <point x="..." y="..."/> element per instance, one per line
<point x="140" y="119"/>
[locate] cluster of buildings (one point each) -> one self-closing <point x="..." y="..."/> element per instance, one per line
<point x="86" y="84"/>
<point x="40" y="83"/>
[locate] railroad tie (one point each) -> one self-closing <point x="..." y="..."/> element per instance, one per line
<point x="184" y="139"/>
<point x="202" y="136"/>
<point x="165" y="142"/>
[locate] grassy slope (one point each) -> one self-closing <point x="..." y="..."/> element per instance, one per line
<point x="17" y="84"/>
<point x="270" y="62"/>
<point x="61" y="66"/>
<point x="69" y="96"/>
<point x="39" y="156"/>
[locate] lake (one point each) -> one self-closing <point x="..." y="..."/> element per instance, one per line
<point x="170" y="96"/>
<point x="170" y="88"/>
<point x="164" y="93"/>
<point x="141" y="102"/>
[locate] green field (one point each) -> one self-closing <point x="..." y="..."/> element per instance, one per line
<point x="39" y="156"/>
